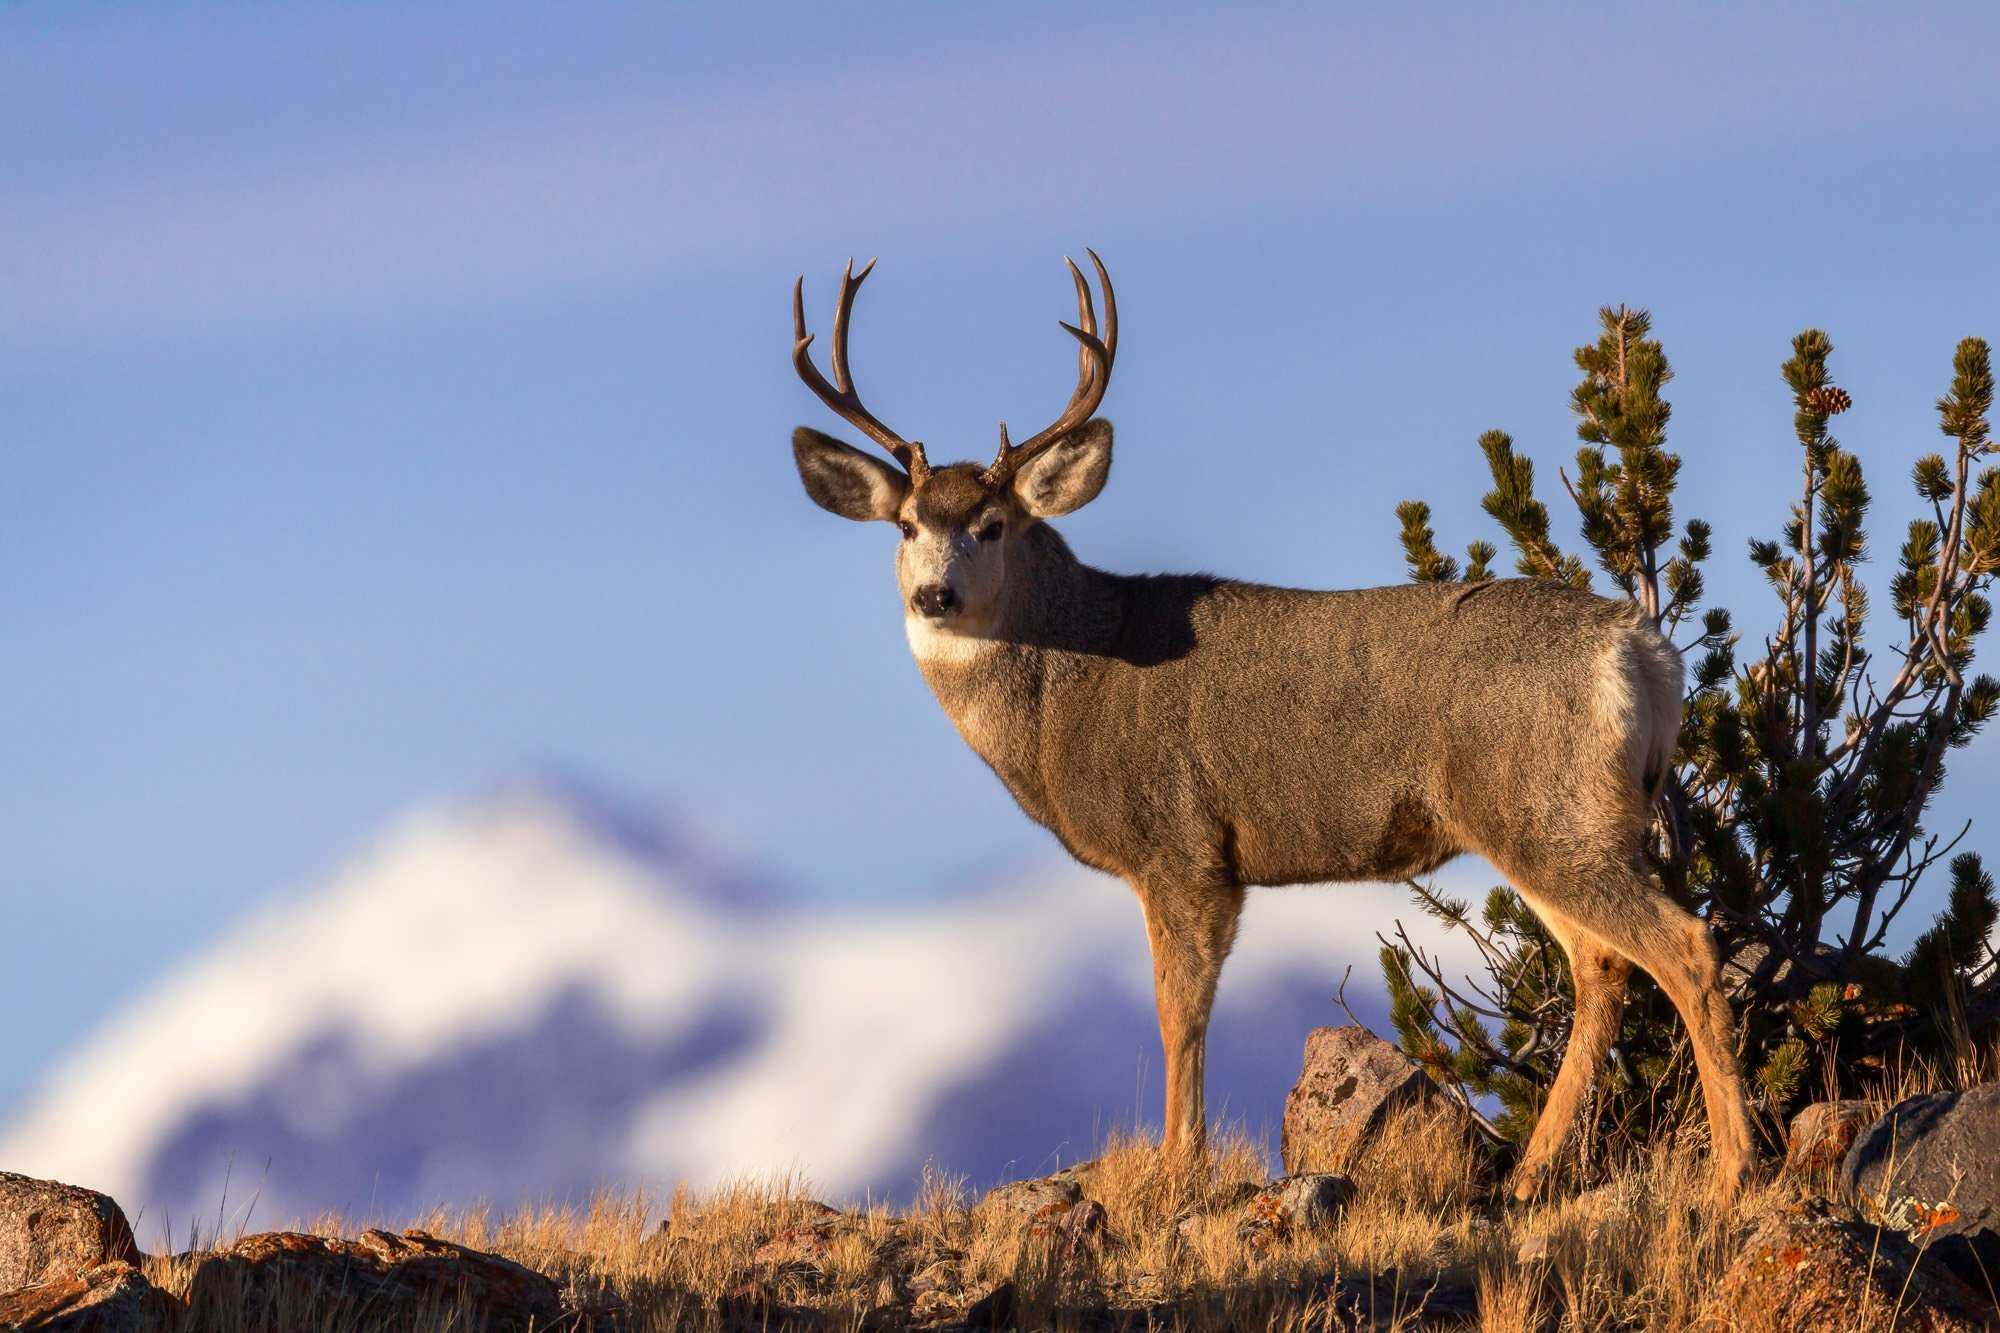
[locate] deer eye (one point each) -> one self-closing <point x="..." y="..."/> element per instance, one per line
<point x="991" y="532"/>
<point x="908" y="529"/>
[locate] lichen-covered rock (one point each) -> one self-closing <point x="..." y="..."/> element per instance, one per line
<point x="1028" y="1199"/>
<point x="1821" y="1134"/>
<point x="1927" y="1168"/>
<point x="1350" y="1079"/>
<point x="1074" y="1233"/>
<point x="50" y="1230"/>
<point x="1812" y="1264"/>
<point x="109" y="1298"/>
<point x="1051" y="1214"/>
<point x="284" y="1280"/>
<point x="810" y="1244"/>
<point x="1294" y="1206"/>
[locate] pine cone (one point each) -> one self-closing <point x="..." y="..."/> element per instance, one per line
<point x="1829" y="401"/>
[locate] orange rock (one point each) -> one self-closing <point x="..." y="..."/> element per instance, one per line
<point x="379" y="1279"/>
<point x="1811" y="1265"/>
<point x="110" y="1298"/>
<point x="1821" y="1134"/>
<point x="50" y="1230"/>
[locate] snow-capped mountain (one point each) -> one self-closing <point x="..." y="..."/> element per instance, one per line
<point x="535" y="994"/>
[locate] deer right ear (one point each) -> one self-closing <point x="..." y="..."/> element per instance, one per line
<point x="842" y="480"/>
<point x="1069" y="474"/>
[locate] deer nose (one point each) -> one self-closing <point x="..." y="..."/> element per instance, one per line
<point x="935" y="600"/>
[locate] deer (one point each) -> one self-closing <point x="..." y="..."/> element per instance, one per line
<point x="1198" y="736"/>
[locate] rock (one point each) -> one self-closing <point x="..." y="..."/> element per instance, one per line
<point x="1077" y="1232"/>
<point x="1312" y="1202"/>
<point x="1294" y="1206"/>
<point x="1350" y="1079"/>
<point x="49" y="1230"/>
<point x="1535" y="1248"/>
<point x="1814" y="1264"/>
<point x="1028" y="1199"/>
<point x="1391" y="1300"/>
<point x="804" y="1253"/>
<point x="1052" y="1214"/>
<point x="993" y="1310"/>
<point x="933" y="1307"/>
<point x="1927" y="1169"/>
<point x="1266" y="1214"/>
<point x="283" y="1279"/>
<point x="755" y="1305"/>
<point x="807" y="1245"/>
<point x="775" y="1216"/>
<point x="109" y="1298"/>
<point x="1821" y="1134"/>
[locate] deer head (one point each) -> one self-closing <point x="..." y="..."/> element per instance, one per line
<point x="958" y="522"/>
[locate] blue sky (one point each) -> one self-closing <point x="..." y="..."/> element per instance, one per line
<point x="395" y="400"/>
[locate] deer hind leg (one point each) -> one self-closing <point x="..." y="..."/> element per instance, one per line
<point x="1625" y="909"/>
<point x="1191" y="927"/>
<point x="1600" y="974"/>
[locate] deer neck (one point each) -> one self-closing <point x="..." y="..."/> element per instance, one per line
<point x="1059" y="620"/>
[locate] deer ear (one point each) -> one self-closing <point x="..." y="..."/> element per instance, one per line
<point x="1069" y="474"/>
<point x="844" y="481"/>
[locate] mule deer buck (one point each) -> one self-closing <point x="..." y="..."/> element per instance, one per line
<point x="1196" y="735"/>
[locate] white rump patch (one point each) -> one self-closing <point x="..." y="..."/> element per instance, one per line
<point x="1613" y="699"/>
<point x="1637" y="698"/>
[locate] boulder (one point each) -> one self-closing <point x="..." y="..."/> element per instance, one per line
<point x="283" y="1279"/>
<point x="1821" y="1134"/>
<point x="1350" y="1079"/>
<point x="109" y="1298"/>
<point x="1814" y="1264"/>
<point x="49" y="1230"/>
<point x="1927" y="1169"/>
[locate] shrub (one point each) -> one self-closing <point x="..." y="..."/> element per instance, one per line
<point x="1794" y="819"/>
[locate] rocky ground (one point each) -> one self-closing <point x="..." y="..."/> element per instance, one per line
<point x="1883" y="1216"/>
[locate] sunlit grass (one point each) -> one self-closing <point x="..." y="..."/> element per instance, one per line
<point x="1632" y="1240"/>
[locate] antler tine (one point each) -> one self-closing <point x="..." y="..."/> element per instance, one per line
<point x="849" y="285"/>
<point x="1093" y="358"/>
<point x="1086" y="315"/>
<point x="1110" y="308"/>
<point x="840" y="395"/>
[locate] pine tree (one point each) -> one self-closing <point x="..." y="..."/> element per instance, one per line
<point x="1794" y="820"/>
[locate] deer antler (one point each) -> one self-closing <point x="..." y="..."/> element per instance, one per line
<point x="1093" y="369"/>
<point x="840" y="395"/>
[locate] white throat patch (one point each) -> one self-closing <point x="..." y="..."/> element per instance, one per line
<point x="932" y="642"/>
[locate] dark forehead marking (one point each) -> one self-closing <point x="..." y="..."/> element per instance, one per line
<point x="952" y="496"/>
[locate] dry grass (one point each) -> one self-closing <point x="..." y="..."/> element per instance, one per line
<point x="1628" y="1241"/>
<point x="1423" y="1245"/>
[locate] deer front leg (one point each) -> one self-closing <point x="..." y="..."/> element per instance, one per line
<point x="1191" y="927"/>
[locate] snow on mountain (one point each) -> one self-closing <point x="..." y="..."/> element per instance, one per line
<point x="535" y="994"/>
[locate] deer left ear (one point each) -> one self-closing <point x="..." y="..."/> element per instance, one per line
<point x="1069" y="474"/>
